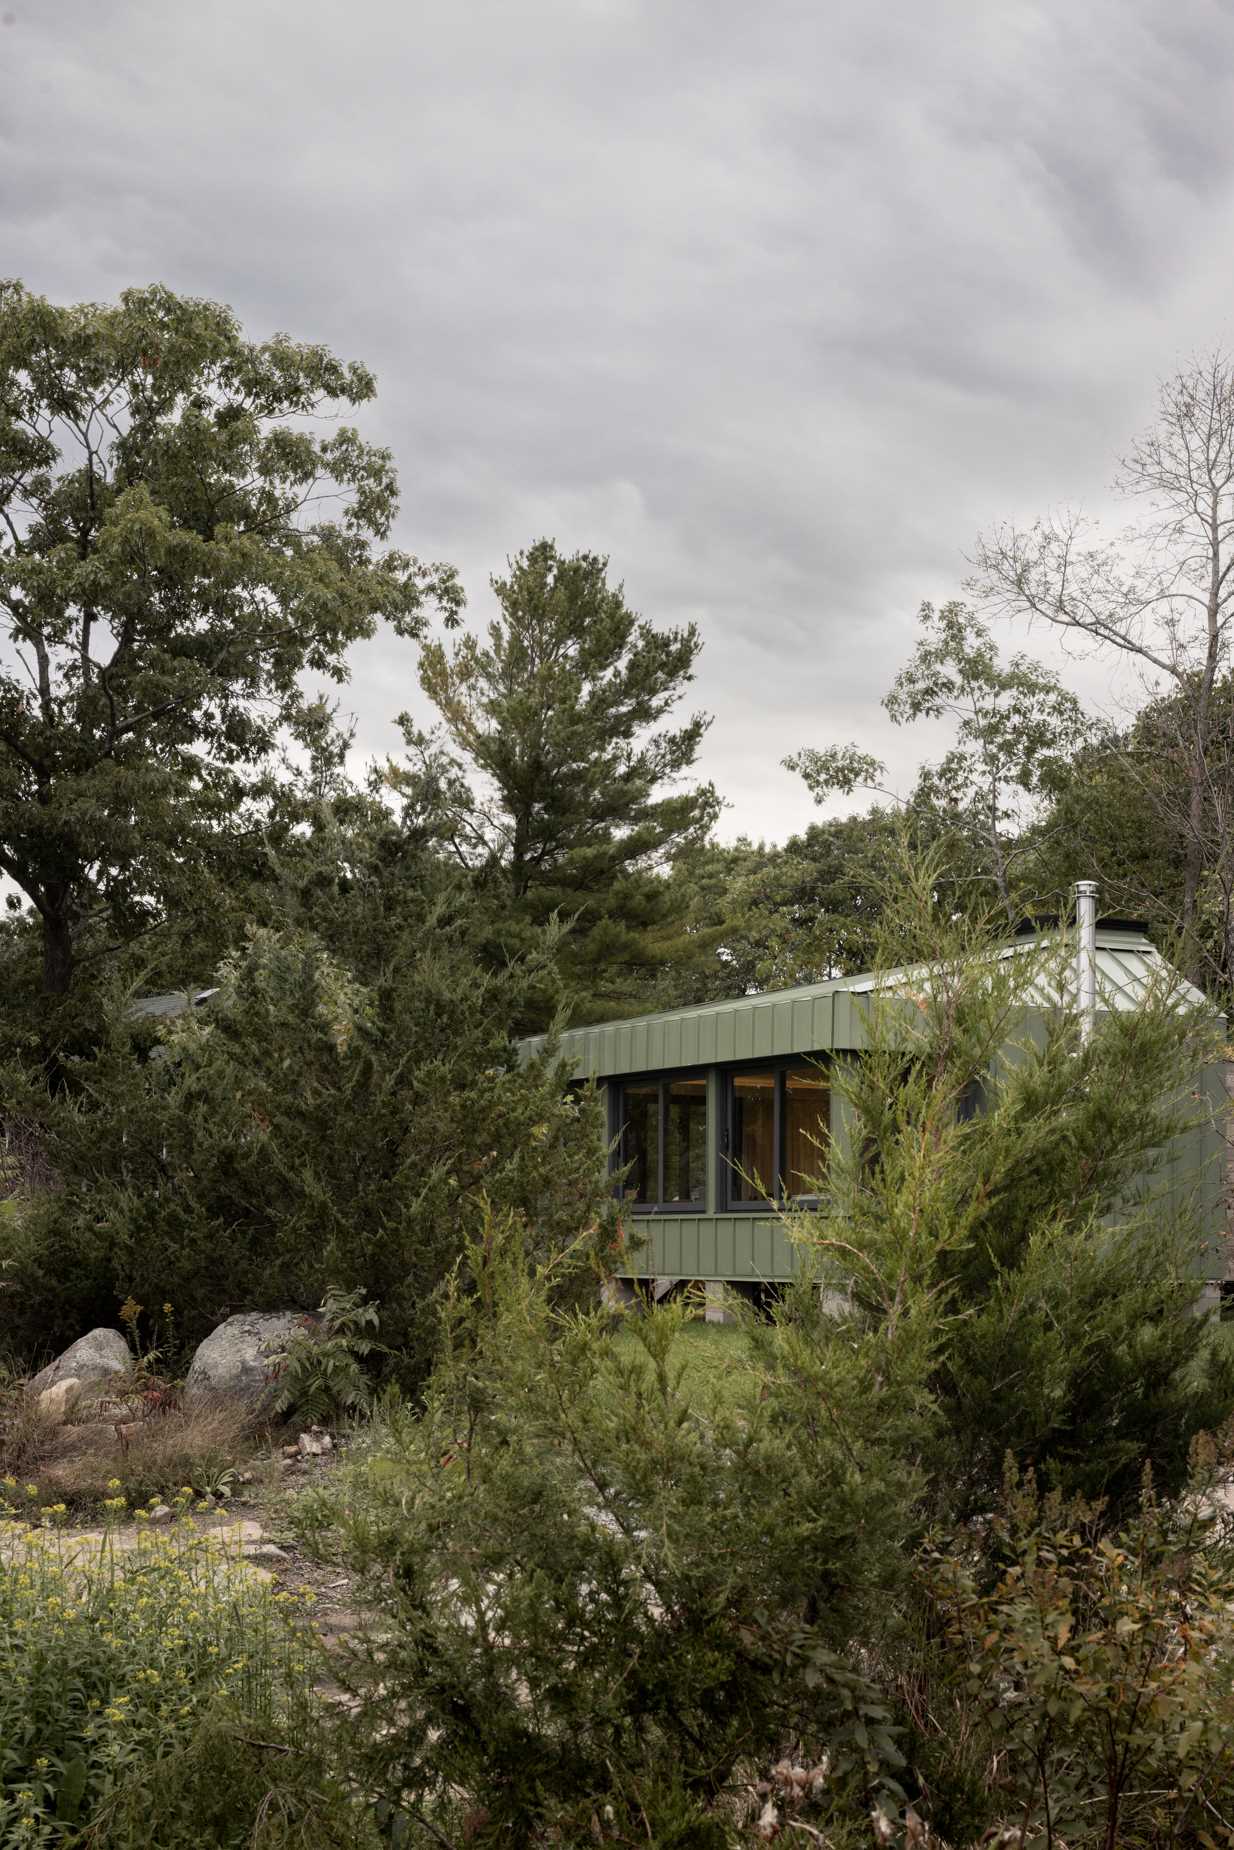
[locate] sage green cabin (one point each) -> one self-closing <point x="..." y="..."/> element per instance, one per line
<point x="714" y="1109"/>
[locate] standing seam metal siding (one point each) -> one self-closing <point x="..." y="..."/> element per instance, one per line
<point x="828" y="1019"/>
<point x="741" y="1247"/>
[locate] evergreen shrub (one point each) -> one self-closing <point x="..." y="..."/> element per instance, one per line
<point x="305" y="1131"/>
<point x="1006" y="1184"/>
<point x="609" y="1598"/>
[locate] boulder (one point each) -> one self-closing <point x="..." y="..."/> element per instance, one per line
<point x="96" y="1360"/>
<point x="55" y="1403"/>
<point x="236" y="1361"/>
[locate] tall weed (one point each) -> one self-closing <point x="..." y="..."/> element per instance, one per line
<point x="123" y="1669"/>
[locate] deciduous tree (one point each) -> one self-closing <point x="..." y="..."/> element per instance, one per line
<point x="1016" y="728"/>
<point x="1161" y="597"/>
<point x="178" y="544"/>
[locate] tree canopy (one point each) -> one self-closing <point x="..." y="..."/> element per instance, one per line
<point x="178" y="545"/>
<point x="552" y="777"/>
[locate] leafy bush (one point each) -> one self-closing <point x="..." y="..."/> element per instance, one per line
<point x="1085" y="1693"/>
<point x="621" y="1605"/>
<point x="1031" y="1235"/>
<point x="126" y="1674"/>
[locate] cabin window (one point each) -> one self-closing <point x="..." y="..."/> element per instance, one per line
<point x="777" y="1119"/>
<point x="663" y="1143"/>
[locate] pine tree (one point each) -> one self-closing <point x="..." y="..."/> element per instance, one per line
<point x="552" y="779"/>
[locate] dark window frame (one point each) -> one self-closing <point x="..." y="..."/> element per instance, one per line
<point x="617" y="1123"/>
<point x="779" y="1064"/>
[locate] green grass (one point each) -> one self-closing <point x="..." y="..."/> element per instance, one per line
<point x="715" y="1358"/>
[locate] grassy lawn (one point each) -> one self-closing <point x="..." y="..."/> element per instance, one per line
<point x="714" y="1356"/>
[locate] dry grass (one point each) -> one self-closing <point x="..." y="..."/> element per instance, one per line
<point x="80" y="1464"/>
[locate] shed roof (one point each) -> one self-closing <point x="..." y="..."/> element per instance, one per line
<point x="817" y="1016"/>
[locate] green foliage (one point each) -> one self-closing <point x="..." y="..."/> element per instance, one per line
<point x="166" y="576"/>
<point x="762" y="916"/>
<point x="1123" y="815"/>
<point x="125" y="1674"/>
<point x="1016" y="730"/>
<point x="1159" y="596"/>
<point x="1062" y="1297"/>
<point x="1086" y="1679"/>
<point x="608" y="1594"/>
<point x="321" y="1374"/>
<point x="552" y="779"/>
<point x="306" y="1130"/>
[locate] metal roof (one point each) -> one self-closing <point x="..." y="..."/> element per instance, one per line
<point x="816" y="1016"/>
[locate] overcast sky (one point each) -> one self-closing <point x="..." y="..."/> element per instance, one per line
<point x="777" y="304"/>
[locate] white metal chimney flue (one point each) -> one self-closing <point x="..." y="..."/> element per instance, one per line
<point x="1086" y="955"/>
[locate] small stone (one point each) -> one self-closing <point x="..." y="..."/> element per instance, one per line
<point x="58" y="1401"/>
<point x="244" y="1477"/>
<point x="243" y="1534"/>
<point x="291" y="1451"/>
<point x="160" y="1515"/>
<point x="314" y="1443"/>
<point x="264" y="1551"/>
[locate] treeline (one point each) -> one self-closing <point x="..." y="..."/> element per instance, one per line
<point x="191" y="543"/>
<point x="190" y="548"/>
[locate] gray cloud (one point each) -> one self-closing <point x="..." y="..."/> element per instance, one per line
<point x="776" y="305"/>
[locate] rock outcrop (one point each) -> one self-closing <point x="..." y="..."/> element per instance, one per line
<point x="96" y="1361"/>
<point x="237" y="1361"/>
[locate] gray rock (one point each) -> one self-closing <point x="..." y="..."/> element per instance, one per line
<point x="96" y="1360"/>
<point x="161" y="1515"/>
<point x="236" y="1360"/>
<point x="57" y="1402"/>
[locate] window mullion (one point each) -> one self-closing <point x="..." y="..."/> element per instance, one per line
<point x="660" y="1195"/>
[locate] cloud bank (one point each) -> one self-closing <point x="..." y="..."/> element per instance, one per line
<point x="775" y="305"/>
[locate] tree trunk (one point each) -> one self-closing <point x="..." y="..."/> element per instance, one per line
<point x="1201" y="744"/>
<point x="57" y="953"/>
<point x="1193" y="866"/>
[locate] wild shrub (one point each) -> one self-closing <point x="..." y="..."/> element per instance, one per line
<point x="617" y="1605"/>
<point x="123" y="1671"/>
<point x="606" y="1606"/>
<point x="305" y="1131"/>
<point x="1002" y="1180"/>
<point x="1083" y="1689"/>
